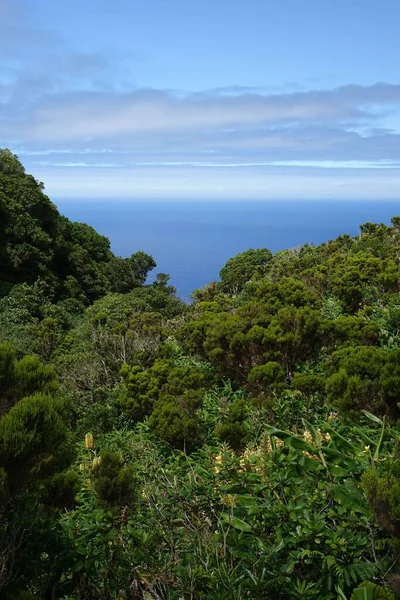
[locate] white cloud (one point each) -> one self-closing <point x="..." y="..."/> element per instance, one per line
<point x="267" y="183"/>
<point x="84" y="132"/>
<point x="110" y="115"/>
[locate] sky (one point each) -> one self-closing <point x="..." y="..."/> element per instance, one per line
<point x="188" y="99"/>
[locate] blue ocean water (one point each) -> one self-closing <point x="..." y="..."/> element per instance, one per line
<point x="192" y="240"/>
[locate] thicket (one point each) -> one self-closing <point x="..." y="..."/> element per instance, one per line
<point x="244" y="446"/>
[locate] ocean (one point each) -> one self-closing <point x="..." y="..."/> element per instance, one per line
<point x="193" y="240"/>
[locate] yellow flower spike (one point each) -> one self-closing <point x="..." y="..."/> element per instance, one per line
<point x="89" y="441"/>
<point x="96" y="462"/>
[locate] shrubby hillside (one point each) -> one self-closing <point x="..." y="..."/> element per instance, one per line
<point x="243" y="446"/>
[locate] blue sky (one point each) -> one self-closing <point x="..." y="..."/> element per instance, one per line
<point x="213" y="99"/>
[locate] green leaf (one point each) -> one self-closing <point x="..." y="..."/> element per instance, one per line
<point x="311" y="464"/>
<point x="372" y="417"/>
<point x="379" y="444"/>
<point x="340" y="442"/>
<point x="233" y="489"/>
<point x="337" y="457"/>
<point x="236" y="523"/>
<point x="337" y="471"/>
<point x="348" y="496"/>
<point x="245" y="500"/>
<point x="366" y="592"/>
<point x="288" y="438"/>
<point x="340" y="592"/>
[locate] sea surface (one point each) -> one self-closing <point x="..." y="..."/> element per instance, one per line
<point x="192" y="240"/>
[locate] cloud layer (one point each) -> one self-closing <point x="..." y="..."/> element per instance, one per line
<point x="73" y="113"/>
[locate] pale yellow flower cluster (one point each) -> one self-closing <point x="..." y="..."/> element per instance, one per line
<point x="250" y="460"/>
<point x="218" y="463"/>
<point x="307" y="437"/>
<point x="224" y="456"/>
<point x="96" y="460"/>
<point x="228" y="500"/>
<point x="308" y="454"/>
<point x="324" y="437"/>
<point x="252" y="457"/>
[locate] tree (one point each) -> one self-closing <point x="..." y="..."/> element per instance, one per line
<point x="173" y="422"/>
<point x="241" y="268"/>
<point x="233" y="428"/>
<point x="9" y="164"/>
<point x="113" y="482"/>
<point x="126" y="274"/>
<point x="22" y="378"/>
<point x="35" y="450"/>
<point x="367" y="379"/>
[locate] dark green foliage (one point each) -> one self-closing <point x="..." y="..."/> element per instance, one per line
<point x="160" y="382"/>
<point x="33" y="441"/>
<point x="234" y="429"/>
<point x="7" y="366"/>
<point x="124" y="274"/>
<point x="269" y="378"/>
<point x="242" y="268"/>
<point x="173" y="419"/>
<point x="383" y="493"/>
<point x="19" y="378"/>
<point x="35" y="450"/>
<point x="25" y="596"/>
<point x="60" y="490"/>
<point x="10" y="165"/>
<point x="29" y="224"/>
<point x="112" y="481"/>
<point x="32" y="375"/>
<point x="367" y="378"/>
<point x="308" y="383"/>
<point x="37" y="242"/>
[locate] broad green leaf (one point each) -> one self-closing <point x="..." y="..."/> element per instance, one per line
<point x="245" y="500"/>
<point x="379" y="444"/>
<point x="311" y="464"/>
<point x="338" y="457"/>
<point x="366" y="592"/>
<point x="337" y="471"/>
<point x="348" y="496"/>
<point x="290" y="439"/>
<point x="236" y="523"/>
<point x="372" y="417"/>
<point x="339" y="441"/>
<point x="340" y="592"/>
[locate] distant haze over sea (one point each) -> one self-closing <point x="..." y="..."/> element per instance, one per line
<point x="192" y="240"/>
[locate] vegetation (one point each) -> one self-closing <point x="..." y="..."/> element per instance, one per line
<point x="244" y="446"/>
